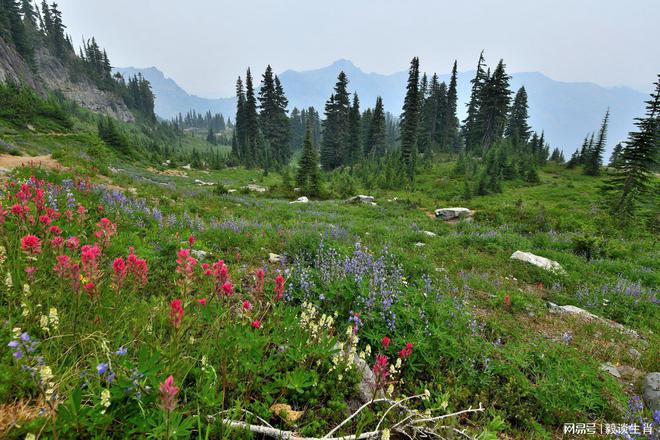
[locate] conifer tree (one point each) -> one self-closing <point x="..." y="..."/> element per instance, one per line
<point x="472" y="133"/>
<point x="595" y="157"/>
<point x="615" y="158"/>
<point x="451" y="120"/>
<point x="494" y="106"/>
<point x="253" y="153"/>
<point x="354" y="152"/>
<point x="307" y="176"/>
<point x="336" y="125"/>
<point x="376" y="141"/>
<point x="442" y="112"/>
<point x="410" y="120"/>
<point x="239" y="142"/>
<point x="517" y="129"/>
<point x="210" y="137"/>
<point x="638" y="160"/>
<point x="273" y="119"/>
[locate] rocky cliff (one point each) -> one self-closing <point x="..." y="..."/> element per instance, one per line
<point x="52" y="75"/>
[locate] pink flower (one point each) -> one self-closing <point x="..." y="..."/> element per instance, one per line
<point x="191" y="240"/>
<point x="120" y="270"/>
<point x="31" y="244"/>
<point x="227" y="289"/>
<point x="55" y="230"/>
<point x="256" y="324"/>
<point x="386" y="342"/>
<point x="279" y="287"/>
<point x="30" y="271"/>
<point x="380" y="370"/>
<point x="57" y="242"/>
<point x="44" y="220"/>
<point x="168" y="392"/>
<point x="72" y="243"/>
<point x="247" y="305"/>
<point x="89" y="288"/>
<point x="406" y="351"/>
<point x="62" y="266"/>
<point x="507" y="300"/>
<point x="202" y="301"/>
<point x="185" y="264"/>
<point x="89" y="255"/>
<point x="259" y="276"/>
<point x="176" y="313"/>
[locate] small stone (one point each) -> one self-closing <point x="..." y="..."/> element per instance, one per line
<point x="634" y="353"/>
<point x="430" y="234"/>
<point x="538" y="261"/>
<point x="610" y="368"/>
<point x="452" y="213"/>
<point x="302" y="199"/>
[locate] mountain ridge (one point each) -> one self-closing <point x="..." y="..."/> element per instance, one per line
<point x="565" y="111"/>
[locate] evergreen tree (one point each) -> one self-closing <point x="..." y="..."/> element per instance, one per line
<point x="517" y="129"/>
<point x="410" y="120"/>
<point x="472" y="133"/>
<point x="239" y="141"/>
<point x="638" y="160"/>
<point x="595" y="158"/>
<point x="376" y="141"/>
<point x="615" y="158"/>
<point x="354" y="152"/>
<point x="494" y="106"/>
<point x="273" y="119"/>
<point x="442" y="113"/>
<point x="336" y="125"/>
<point x="210" y="137"/>
<point x="253" y="152"/>
<point x="307" y="176"/>
<point x="451" y="120"/>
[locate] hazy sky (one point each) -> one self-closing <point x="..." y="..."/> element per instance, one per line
<point x="205" y="44"/>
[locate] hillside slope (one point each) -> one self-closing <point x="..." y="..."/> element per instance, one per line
<point x="52" y="75"/>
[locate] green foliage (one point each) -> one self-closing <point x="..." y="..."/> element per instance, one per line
<point x="20" y="106"/>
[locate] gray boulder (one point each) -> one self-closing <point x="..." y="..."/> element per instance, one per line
<point x="651" y="391"/>
<point x="447" y="214"/>
<point x="542" y="262"/>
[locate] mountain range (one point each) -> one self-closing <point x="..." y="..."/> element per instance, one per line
<point x="565" y="111"/>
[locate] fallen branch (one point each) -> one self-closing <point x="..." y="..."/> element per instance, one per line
<point x="290" y="435"/>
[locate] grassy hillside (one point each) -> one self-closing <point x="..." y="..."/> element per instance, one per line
<point x="480" y="325"/>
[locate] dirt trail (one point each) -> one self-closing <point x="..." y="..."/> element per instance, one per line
<point x="8" y="162"/>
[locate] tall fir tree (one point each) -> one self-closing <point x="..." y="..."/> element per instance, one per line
<point x="239" y="142"/>
<point x="494" y="106"/>
<point x="254" y="155"/>
<point x="638" y="161"/>
<point x="273" y="118"/>
<point x="307" y="175"/>
<point x="336" y="125"/>
<point x="410" y="121"/>
<point x="595" y="157"/>
<point x="354" y="153"/>
<point x="376" y="141"/>
<point x="517" y="129"/>
<point x="472" y="133"/>
<point x="451" y="120"/>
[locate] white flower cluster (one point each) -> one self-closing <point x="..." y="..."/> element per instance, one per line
<point x="50" y="322"/>
<point x="342" y="360"/>
<point x="316" y="326"/>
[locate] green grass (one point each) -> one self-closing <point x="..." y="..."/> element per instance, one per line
<point x="532" y="370"/>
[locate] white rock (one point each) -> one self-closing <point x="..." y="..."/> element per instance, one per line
<point x="430" y="234"/>
<point x="302" y="199"/>
<point x="576" y="311"/>
<point x="199" y="254"/>
<point x="202" y="183"/>
<point x="274" y="258"/>
<point x="609" y="368"/>
<point x="538" y="261"/>
<point x="362" y="199"/>
<point x="420" y="244"/>
<point x="452" y="213"/>
<point x="256" y="188"/>
<point x="229" y="191"/>
<point x="187" y="167"/>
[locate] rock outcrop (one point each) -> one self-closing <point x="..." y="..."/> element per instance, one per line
<point x="542" y="262"/>
<point x="448" y="214"/>
<point x="302" y="199"/>
<point x="369" y="200"/>
<point x="52" y="75"/>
